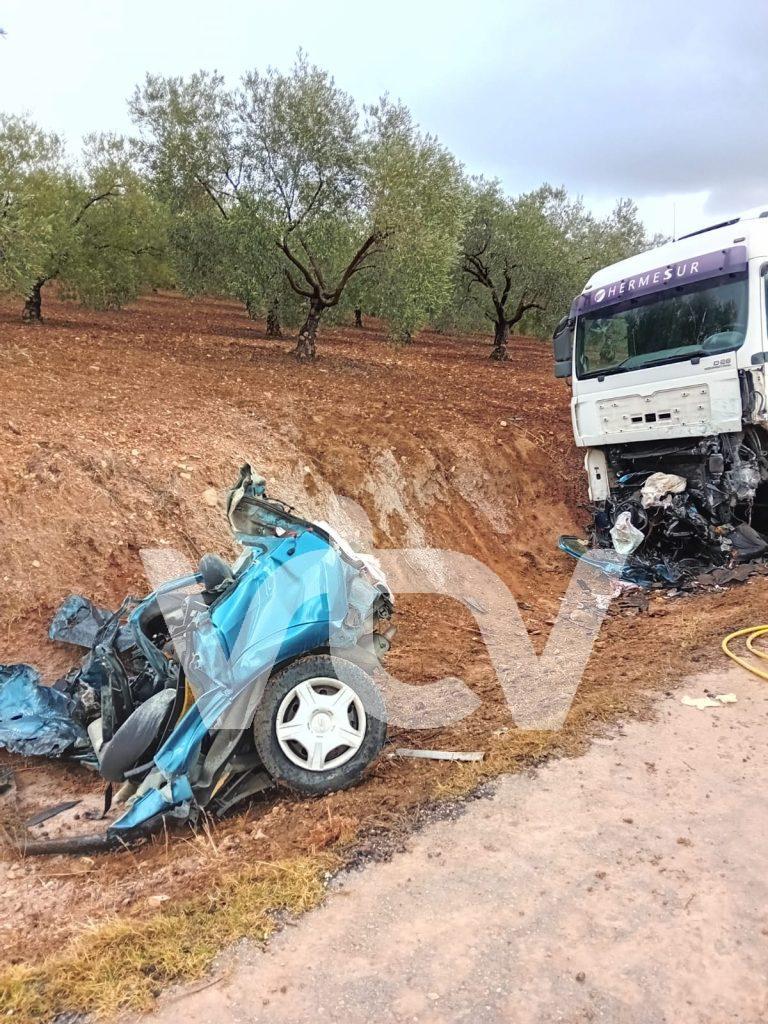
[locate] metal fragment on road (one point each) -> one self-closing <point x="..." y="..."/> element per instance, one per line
<point x="702" y="703"/>
<point x="442" y="755"/>
<point x="50" y="812"/>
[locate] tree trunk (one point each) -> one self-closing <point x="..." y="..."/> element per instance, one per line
<point x="500" y="339"/>
<point x="305" y="350"/>
<point x="274" y="329"/>
<point x="33" y="304"/>
<point x="358" y="317"/>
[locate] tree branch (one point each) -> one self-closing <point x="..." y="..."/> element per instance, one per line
<point x="234" y="183"/>
<point x="483" y="247"/>
<point x="476" y="269"/>
<point x="312" y="201"/>
<point x="286" y="250"/>
<point x="507" y="288"/>
<point x="299" y="291"/>
<point x="522" y="309"/>
<point x="313" y="261"/>
<point x="91" y="202"/>
<point x="374" y="239"/>
<point x="204" y="185"/>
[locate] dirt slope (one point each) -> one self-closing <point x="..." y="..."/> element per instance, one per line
<point x="115" y="427"/>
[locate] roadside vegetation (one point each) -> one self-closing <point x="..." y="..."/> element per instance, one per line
<point x="281" y="192"/>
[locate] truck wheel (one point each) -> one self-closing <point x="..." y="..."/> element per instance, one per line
<point x="320" y="722"/>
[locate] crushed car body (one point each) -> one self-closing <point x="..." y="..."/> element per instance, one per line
<point x="667" y="353"/>
<point x="223" y="682"/>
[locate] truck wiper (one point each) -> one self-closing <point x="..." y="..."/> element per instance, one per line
<point x="622" y="367"/>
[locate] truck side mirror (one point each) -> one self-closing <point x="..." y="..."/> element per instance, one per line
<point x="562" y="347"/>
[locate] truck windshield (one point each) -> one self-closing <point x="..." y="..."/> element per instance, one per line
<point x="695" y="320"/>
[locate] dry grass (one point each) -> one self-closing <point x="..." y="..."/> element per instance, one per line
<point x="122" y="965"/>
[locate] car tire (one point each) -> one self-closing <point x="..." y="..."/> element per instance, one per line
<point x="320" y="723"/>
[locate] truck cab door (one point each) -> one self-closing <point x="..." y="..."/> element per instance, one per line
<point x="562" y="346"/>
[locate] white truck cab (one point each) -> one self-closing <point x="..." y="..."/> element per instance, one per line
<point x="667" y="355"/>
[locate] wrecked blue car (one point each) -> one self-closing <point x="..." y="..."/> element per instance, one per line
<point x="222" y="683"/>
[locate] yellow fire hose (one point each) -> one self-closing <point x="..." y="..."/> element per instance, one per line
<point x="752" y="633"/>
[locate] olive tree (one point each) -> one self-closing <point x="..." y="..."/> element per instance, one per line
<point x="92" y="227"/>
<point x="117" y="243"/>
<point x="613" y="238"/>
<point x="31" y="166"/>
<point x="419" y="190"/>
<point x="515" y="256"/>
<point x="280" y="161"/>
<point x="314" y="193"/>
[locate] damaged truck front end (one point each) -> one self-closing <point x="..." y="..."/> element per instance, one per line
<point x="690" y="504"/>
<point x="666" y="353"/>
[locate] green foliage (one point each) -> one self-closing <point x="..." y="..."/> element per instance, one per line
<point x="189" y="149"/>
<point x="614" y="238"/>
<point x="524" y="259"/>
<point x="277" y="161"/>
<point x="114" y="245"/>
<point x="420" y="200"/>
<point x="281" y="193"/>
<point x="301" y="143"/>
<point x="31" y="170"/>
<point x="309" y="198"/>
<point x="256" y="275"/>
<point x="94" y="228"/>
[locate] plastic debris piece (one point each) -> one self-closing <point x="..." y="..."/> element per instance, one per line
<point x="659" y="487"/>
<point x="36" y="720"/>
<point x="77" y="621"/>
<point x="627" y="571"/>
<point x="442" y="755"/>
<point x="625" y="536"/>
<point x="50" y="812"/>
<point x="699" y="702"/>
<point x="709" y="702"/>
<point x="747" y="543"/>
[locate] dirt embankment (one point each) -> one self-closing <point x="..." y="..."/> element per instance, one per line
<point x="116" y="429"/>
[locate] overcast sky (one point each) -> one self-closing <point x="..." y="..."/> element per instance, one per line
<point x="661" y="100"/>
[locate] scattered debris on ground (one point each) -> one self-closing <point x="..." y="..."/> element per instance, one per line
<point x="690" y="523"/>
<point x="702" y="703"/>
<point x="50" y="812"/>
<point x="442" y="755"/>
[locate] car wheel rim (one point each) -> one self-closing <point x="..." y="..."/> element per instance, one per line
<point x="320" y="724"/>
